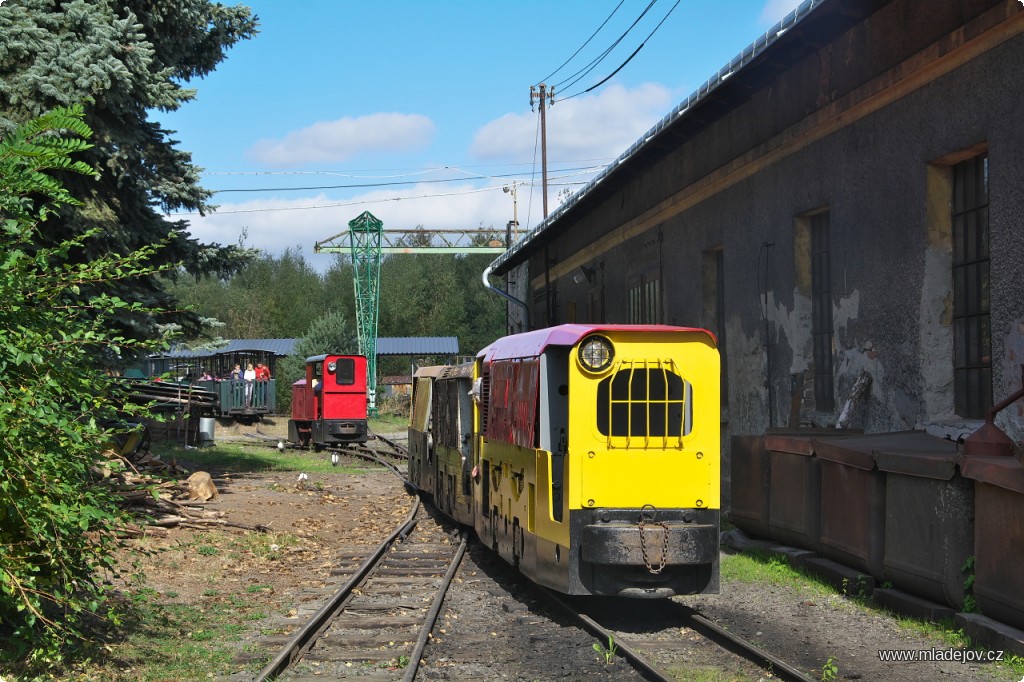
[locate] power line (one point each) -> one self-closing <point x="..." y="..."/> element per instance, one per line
<point x="579" y="75"/>
<point x="351" y="173"/>
<point x="628" y="59"/>
<point x="587" y="42"/>
<point x="389" y="184"/>
<point x="358" y="202"/>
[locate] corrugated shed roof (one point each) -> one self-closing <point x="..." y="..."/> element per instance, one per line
<point x="418" y="345"/>
<point x="279" y="347"/>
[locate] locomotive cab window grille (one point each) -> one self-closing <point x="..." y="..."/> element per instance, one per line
<point x="645" y="400"/>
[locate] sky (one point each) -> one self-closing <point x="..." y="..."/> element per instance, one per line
<point x="419" y="111"/>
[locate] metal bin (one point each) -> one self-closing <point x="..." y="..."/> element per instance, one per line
<point x="852" y="529"/>
<point x="794" y="491"/>
<point x="749" y="501"/>
<point x="998" y="536"/>
<point x="928" y="521"/>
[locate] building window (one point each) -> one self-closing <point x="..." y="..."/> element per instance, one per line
<point x="714" y="309"/>
<point x="821" y="313"/>
<point x="972" y="339"/>
<point x="645" y="299"/>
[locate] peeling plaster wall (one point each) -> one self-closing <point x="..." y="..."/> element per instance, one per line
<point x="890" y="246"/>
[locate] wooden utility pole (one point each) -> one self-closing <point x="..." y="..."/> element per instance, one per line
<point x="541" y="96"/>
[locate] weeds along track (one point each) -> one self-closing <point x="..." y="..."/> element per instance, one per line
<point x="662" y="635"/>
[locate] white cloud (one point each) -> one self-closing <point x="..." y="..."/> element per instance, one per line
<point x="591" y="126"/>
<point x="333" y="141"/>
<point x="775" y="10"/>
<point x="273" y="225"/>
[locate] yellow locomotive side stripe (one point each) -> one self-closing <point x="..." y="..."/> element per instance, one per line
<point x="532" y="506"/>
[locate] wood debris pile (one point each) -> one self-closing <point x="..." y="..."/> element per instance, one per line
<point x="161" y="495"/>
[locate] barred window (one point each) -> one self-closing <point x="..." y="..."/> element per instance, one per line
<point x="644" y="402"/>
<point x="821" y="313"/>
<point x="645" y="299"/>
<point x="972" y="337"/>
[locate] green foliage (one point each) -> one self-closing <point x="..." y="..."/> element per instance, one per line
<point x="332" y="332"/>
<point x="970" y="604"/>
<point x="123" y="59"/>
<point x="56" y="408"/>
<point x="284" y="297"/>
<point x="607" y="653"/>
<point x="830" y="670"/>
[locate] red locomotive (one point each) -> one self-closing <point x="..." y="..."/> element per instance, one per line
<point x="329" y="405"/>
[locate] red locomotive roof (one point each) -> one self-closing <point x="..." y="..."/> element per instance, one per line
<point x="532" y="344"/>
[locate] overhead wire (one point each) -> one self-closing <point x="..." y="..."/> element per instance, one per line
<point x="392" y="184"/>
<point x="628" y="59"/>
<point x="357" y="202"/>
<point x="585" y="43"/>
<point x="582" y="73"/>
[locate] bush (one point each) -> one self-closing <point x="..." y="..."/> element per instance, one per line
<point x="56" y="523"/>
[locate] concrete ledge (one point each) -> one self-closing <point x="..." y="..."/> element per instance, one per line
<point x="847" y="580"/>
<point x="991" y="634"/>
<point x="910" y="605"/>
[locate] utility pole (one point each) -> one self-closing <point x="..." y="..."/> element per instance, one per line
<point x="541" y="96"/>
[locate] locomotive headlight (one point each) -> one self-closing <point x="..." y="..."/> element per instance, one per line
<point x="596" y="353"/>
<point x="331" y="366"/>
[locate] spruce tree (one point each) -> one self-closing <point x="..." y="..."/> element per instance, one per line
<point x="123" y="59"/>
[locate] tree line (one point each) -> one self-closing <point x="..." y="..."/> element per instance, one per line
<point x="285" y="296"/>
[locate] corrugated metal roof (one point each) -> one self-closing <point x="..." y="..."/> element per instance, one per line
<point x="399" y="345"/>
<point x="418" y="345"/>
<point x="279" y="347"/>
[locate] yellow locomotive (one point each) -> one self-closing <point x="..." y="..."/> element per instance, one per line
<point x="585" y="455"/>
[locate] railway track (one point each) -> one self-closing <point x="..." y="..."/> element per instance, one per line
<point x="656" y="636"/>
<point x="376" y="623"/>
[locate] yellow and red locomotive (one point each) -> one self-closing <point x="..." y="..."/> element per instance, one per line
<point x="586" y="455"/>
<point x="329" y="405"/>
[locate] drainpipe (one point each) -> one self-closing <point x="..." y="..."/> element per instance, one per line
<point x="506" y="295"/>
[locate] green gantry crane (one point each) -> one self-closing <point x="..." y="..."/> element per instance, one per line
<point x="365" y="240"/>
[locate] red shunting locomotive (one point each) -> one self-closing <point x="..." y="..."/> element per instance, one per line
<point x="329" y="405"/>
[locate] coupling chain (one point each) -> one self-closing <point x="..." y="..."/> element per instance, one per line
<point x="645" y="517"/>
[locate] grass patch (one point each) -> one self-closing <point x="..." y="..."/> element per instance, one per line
<point x="385" y="423"/>
<point x="158" y="642"/>
<point x="758" y="566"/>
<point x="257" y="457"/>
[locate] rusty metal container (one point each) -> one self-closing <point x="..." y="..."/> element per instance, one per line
<point x="852" y="529"/>
<point x="749" y="502"/>
<point x="998" y="536"/>
<point x="929" y="530"/>
<point x="794" y="490"/>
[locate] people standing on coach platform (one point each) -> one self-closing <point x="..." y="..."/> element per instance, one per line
<point x="250" y="378"/>
<point x="262" y="372"/>
<point x="236" y="373"/>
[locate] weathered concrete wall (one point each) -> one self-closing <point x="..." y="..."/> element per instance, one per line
<point x="816" y="138"/>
